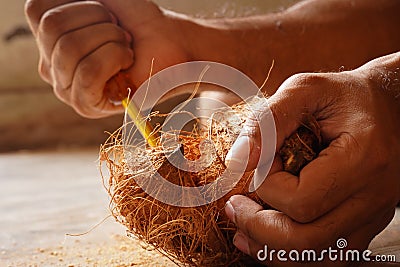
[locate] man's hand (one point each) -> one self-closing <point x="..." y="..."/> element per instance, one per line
<point x="82" y="45"/>
<point x="351" y="189"/>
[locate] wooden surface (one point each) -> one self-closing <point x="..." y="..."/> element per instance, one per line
<point x="46" y="195"/>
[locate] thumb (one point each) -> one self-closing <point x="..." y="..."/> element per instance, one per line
<point x="299" y="97"/>
<point x="249" y="146"/>
<point x="296" y="97"/>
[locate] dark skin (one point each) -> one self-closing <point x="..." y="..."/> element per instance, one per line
<point x="351" y="189"/>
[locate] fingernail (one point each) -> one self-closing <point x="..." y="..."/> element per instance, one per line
<point x="230" y="212"/>
<point x="241" y="242"/>
<point x="238" y="155"/>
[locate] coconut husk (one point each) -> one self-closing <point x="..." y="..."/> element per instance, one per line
<point x="302" y="146"/>
<point x="189" y="236"/>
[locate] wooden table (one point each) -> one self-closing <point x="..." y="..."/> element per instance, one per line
<point x="48" y="194"/>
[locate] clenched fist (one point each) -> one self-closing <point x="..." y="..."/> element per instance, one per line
<point x="82" y="45"/>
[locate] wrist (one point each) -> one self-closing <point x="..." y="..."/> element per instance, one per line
<point x="384" y="73"/>
<point x="383" y="76"/>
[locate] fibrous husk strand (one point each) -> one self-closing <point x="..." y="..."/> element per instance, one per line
<point x="190" y="236"/>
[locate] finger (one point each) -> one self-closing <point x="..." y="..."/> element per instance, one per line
<point x="250" y="149"/>
<point x="357" y="241"/>
<point x="76" y="45"/>
<point x="66" y="18"/>
<point x="90" y="77"/>
<point x="44" y="71"/>
<point x="246" y="150"/>
<point x="287" y="107"/>
<point x="279" y="231"/>
<point x="34" y="10"/>
<point x="300" y="95"/>
<point x="260" y="225"/>
<point x="322" y="185"/>
<point x="270" y="256"/>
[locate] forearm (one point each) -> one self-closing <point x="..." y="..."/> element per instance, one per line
<point x="313" y="35"/>
<point x="384" y="75"/>
<point x="337" y="34"/>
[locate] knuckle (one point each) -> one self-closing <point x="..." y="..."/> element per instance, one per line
<point x="100" y="6"/>
<point x="50" y="21"/>
<point x="86" y="112"/>
<point x="87" y="72"/>
<point x="44" y="70"/>
<point x="31" y="8"/>
<point x="104" y="14"/>
<point x="78" y="104"/>
<point x="302" y="81"/>
<point x="302" y="212"/>
<point x="67" y="44"/>
<point x="61" y="93"/>
<point x="80" y="109"/>
<point x="99" y="9"/>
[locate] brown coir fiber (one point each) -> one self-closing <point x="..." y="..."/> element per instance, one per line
<point x="195" y="236"/>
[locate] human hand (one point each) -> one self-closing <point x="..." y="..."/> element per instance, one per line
<point x="82" y="45"/>
<point x="351" y="189"/>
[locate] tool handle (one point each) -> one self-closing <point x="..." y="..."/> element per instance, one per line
<point x="116" y="89"/>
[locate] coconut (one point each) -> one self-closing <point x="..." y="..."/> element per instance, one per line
<point x="190" y="236"/>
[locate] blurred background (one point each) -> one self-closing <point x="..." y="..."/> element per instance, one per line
<point x="30" y="115"/>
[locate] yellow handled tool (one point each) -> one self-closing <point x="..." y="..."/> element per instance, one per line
<point x="117" y="89"/>
<point x="144" y="127"/>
